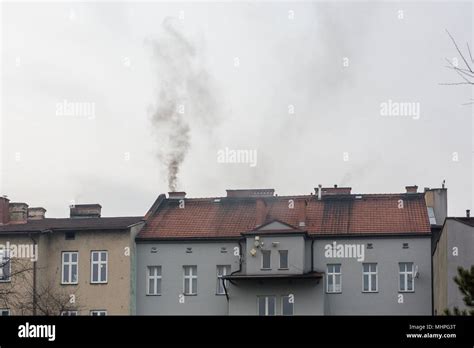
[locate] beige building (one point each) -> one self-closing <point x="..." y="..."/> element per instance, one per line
<point x="82" y="265"/>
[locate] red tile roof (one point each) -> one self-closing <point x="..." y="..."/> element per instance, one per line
<point x="332" y="215"/>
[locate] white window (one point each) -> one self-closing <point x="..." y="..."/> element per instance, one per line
<point x="69" y="313"/>
<point x="98" y="312"/>
<point x="283" y="259"/>
<point x="266" y="305"/>
<point x="287" y="302"/>
<point x="5" y="266"/>
<point x="190" y="280"/>
<point x="99" y="266"/>
<point x="334" y="279"/>
<point x="369" y="277"/>
<point x="266" y="255"/>
<point x="154" y="280"/>
<point x="69" y="267"/>
<point x="407" y="283"/>
<point x="222" y="271"/>
<point x="4" y="312"/>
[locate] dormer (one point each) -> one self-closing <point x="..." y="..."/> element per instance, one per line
<point x="275" y="248"/>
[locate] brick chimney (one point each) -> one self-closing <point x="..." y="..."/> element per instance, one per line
<point x="250" y="193"/>
<point x="36" y="213"/>
<point x="85" y="211"/>
<point x="4" y="210"/>
<point x="18" y="213"/>
<point x="411" y="189"/>
<point x="177" y="195"/>
<point x="302" y="213"/>
<point x="261" y="211"/>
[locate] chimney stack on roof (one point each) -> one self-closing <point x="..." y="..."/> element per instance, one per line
<point x="250" y="193"/>
<point x="411" y="189"/>
<point x="18" y="213"/>
<point x="177" y="195"/>
<point x="4" y="210"/>
<point x="323" y="191"/>
<point x="85" y="211"/>
<point x="36" y="213"/>
<point x="468" y="213"/>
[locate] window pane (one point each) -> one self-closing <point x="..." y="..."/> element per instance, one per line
<point x="95" y="256"/>
<point x="366" y="282"/>
<point x="261" y="306"/>
<point x="195" y="285"/>
<point x="158" y="287"/>
<point x="103" y="272"/>
<point x="95" y="272"/>
<point x="65" y="273"/>
<point x="402" y="282"/>
<point x="271" y="305"/>
<point x="287" y="307"/>
<point x="158" y="271"/>
<point x="66" y="257"/>
<point x="187" y="284"/>
<point x="74" y="257"/>
<point x="266" y="259"/>
<point x="374" y="282"/>
<point x="410" y="282"/>
<point x="74" y="273"/>
<point x="283" y="258"/>
<point x="103" y="256"/>
<point x="366" y="267"/>
<point x="151" y="290"/>
<point x="337" y="285"/>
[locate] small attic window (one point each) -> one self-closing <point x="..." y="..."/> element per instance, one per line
<point x="154" y="250"/>
<point x="405" y="246"/>
<point x="431" y="215"/>
<point x="189" y="250"/>
<point x="70" y="235"/>
<point x="370" y="246"/>
<point x="223" y="250"/>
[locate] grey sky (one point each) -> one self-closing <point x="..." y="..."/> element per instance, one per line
<point x="102" y="53"/>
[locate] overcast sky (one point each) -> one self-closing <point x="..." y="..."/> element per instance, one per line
<point x="248" y="66"/>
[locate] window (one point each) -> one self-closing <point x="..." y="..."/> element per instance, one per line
<point x="4" y="312"/>
<point x="69" y="261"/>
<point x="99" y="267"/>
<point x="266" y="305"/>
<point x="190" y="280"/>
<point x="287" y="302"/>
<point x="406" y="277"/>
<point x="154" y="280"/>
<point x="69" y="313"/>
<point x="266" y="254"/>
<point x="334" y="284"/>
<point x="99" y="313"/>
<point x="70" y="235"/>
<point x="221" y="271"/>
<point x="5" y="266"/>
<point x="369" y="277"/>
<point x="283" y="259"/>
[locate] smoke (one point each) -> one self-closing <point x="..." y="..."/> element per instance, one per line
<point x="185" y="98"/>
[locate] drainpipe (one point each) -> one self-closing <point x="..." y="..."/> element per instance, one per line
<point x="34" y="276"/>
<point x="239" y="270"/>
<point x="312" y="255"/>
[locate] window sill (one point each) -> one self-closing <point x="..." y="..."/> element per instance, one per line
<point x="406" y="291"/>
<point x="98" y="283"/>
<point x="220" y="294"/>
<point x="283" y="269"/>
<point x="370" y="292"/>
<point x="70" y="283"/>
<point x="6" y="281"/>
<point x="152" y="295"/>
<point x="333" y="292"/>
<point x="190" y="294"/>
<point x="265" y="269"/>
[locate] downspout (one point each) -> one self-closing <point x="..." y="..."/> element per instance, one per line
<point x="34" y="275"/>
<point x="239" y="270"/>
<point x="312" y="255"/>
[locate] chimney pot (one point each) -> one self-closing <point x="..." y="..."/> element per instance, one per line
<point x="411" y="189"/>
<point x="468" y="213"/>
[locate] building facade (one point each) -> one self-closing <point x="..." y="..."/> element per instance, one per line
<point x="82" y="265"/>
<point x="255" y="253"/>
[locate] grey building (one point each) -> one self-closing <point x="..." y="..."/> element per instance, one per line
<point x="454" y="248"/>
<point x="256" y="253"/>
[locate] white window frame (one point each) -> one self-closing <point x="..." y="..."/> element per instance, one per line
<point x="270" y="259"/>
<point x="369" y="274"/>
<point x="4" y="310"/>
<point x="155" y="278"/>
<point x="5" y="256"/>
<point x="190" y="278"/>
<point x="98" y="312"/>
<point x="68" y="313"/>
<point x="406" y="274"/>
<point x="219" y="286"/>
<point x="287" y="260"/>
<point x="69" y="263"/>
<point x="292" y="305"/>
<point x="266" y="297"/>
<point x="99" y="264"/>
<point x="334" y="277"/>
